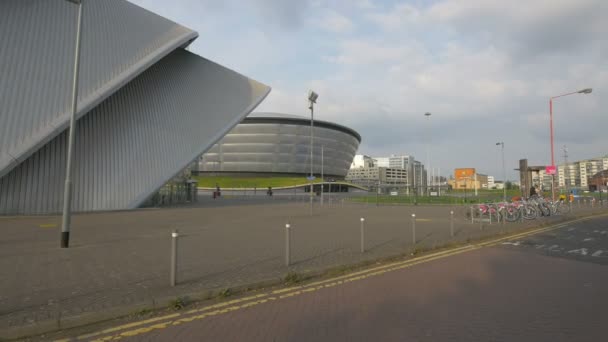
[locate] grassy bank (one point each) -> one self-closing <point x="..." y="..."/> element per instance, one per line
<point x="250" y="182"/>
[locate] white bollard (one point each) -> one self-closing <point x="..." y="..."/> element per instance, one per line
<point x="452" y="223"/>
<point x="174" y="236"/>
<point x="414" y="228"/>
<point x="287" y="244"/>
<point x="362" y="236"/>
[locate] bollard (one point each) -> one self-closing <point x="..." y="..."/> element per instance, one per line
<point x="480" y="219"/>
<point x="287" y="244"/>
<point x="362" y="236"/>
<point x="570" y="204"/>
<point x="521" y="214"/>
<point x="490" y="215"/>
<point x="504" y="216"/>
<point x="472" y="220"/>
<point x="174" y="237"/>
<point x="414" y="228"/>
<point x="578" y="201"/>
<point x="452" y="223"/>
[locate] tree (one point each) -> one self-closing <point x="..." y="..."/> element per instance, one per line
<point x="509" y="185"/>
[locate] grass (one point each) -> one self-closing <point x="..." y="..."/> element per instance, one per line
<point x="292" y="278"/>
<point x="178" y="303"/>
<point x="261" y="183"/>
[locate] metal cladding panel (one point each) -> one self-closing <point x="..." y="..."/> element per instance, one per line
<point x="37" y="40"/>
<point x="281" y="148"/>
<point x="137" y="139"/>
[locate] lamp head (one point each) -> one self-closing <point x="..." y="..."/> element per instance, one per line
<point x="312" y="96"/>
<point x="427" y="114"/>
<point x="585" y="91"/>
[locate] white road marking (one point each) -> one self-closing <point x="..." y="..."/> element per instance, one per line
<point x="581" y="251"/>
<point x="511" y="243"/>
<point x="554" y="247"/>
<point x="597" y="253"/>
<point x="570" y="229"/>
<point x="539" y="246"/>
<point x="588" y="239"/>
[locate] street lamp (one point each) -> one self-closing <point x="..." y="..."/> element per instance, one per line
<point x="67" y="191"/>
<point x="583" y="91"/>
<point x="504" y="173"/>
<point x="428" y="161"/>
<point x="312" y="99"/>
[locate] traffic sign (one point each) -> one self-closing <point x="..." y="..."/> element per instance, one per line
<point x="311" y="178"/>
<point x="550" y="170"/>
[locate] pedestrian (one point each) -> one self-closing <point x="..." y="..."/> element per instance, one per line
<point x="217" y="189"/>
<point x="532" y="191"/>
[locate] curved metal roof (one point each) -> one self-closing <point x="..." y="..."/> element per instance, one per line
<point x="119" y="41"/>
<point x="271" y="117"/>
<point x="147" y="108"/>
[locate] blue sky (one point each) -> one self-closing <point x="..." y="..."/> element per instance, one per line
<point x="485" y="69"/>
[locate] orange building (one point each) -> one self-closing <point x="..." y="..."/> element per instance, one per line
<point x="464" y="173"/>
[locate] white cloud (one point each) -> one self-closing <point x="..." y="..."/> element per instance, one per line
<point x="335" y="22"/>
<point x="397" y="18"/>
<point x="485" y="69"/>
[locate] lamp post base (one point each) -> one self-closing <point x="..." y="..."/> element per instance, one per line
<point x="65" y="239"/>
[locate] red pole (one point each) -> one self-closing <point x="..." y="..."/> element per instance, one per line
<point x="551" y="124"/>
<point x="552" y="155"/>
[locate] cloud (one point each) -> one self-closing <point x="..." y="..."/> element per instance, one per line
<point x="335" y="22"/>
<point x="485" y="69"/>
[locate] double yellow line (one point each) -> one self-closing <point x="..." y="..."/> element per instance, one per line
<point x="157" y="323"/>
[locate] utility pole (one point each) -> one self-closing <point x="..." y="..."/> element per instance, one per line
<point x="566" y="169"/>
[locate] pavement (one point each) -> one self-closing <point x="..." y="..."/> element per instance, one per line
<point x="513" y="289"/>
<point x="119" y="262"/>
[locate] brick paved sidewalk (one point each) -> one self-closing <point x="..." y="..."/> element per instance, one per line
<point x="119" y="260"/>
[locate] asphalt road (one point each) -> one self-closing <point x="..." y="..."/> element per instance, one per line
<point x="550" y="286"/>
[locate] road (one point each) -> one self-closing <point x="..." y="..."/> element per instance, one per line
<point x="549" y="286"/>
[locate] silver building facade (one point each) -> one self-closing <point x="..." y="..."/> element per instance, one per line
<point x="146" y="108"/>
<point x="273" y="143"/>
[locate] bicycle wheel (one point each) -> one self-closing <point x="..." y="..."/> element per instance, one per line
<point x="544" y="209"/>
<point x="529" y="212"/>
<point x="511" y="213"/>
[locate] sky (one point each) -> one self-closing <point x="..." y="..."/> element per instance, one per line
<point x="485" y="70"/>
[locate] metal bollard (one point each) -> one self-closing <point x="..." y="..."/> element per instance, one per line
<point x="452" y="223"/>
<point x="521" y="214"/>
<point x="480" y="219"/>
<point x="362" y="235"/>
<point x="287" y="244"/>
<point x="490" y="215"/>
<point x="174" y="237"/>
<point x="472" y="220"/>
<point x="414" y="228"/>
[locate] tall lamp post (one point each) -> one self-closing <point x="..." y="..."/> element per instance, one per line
<point x="504" y="172"/>
<point x="67" y="191"/>
<point x="584" y="91"/>
<point x="312" y="99"/>
<point x="428" y="160"/>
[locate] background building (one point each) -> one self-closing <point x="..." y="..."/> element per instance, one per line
<point x="279" y="144"/>
<point x="402" y="173"/>
<point x="468" y="179"/>
<point x="491" y="184"/>
<point x="577" y="174"/>
<point x="362" y="161"/>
